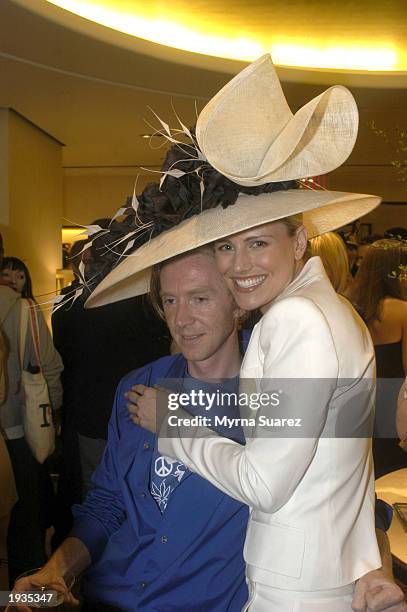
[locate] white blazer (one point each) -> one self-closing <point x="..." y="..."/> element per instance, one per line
<point x="312" y="521"/>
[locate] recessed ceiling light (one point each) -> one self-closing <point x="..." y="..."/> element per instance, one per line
<point x="175" y="26"/>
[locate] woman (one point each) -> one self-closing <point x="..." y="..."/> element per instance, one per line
<point x="298" y="487"/>
<point x="16" y="274"/>
<point x="32" y="514"/>
<point x="377" y="293"/>
<point x="311" y="489"/>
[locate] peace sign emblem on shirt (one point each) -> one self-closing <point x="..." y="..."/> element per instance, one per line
<point x="162" y="467"/>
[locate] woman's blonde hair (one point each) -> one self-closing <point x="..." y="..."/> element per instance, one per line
<point x="332" y="250"/>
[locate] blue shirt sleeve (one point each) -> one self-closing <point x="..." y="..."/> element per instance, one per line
<point x="383" y="515"/>
<point x="103" y="510"/>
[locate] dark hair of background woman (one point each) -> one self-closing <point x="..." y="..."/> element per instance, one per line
<point x="379" y="277"/>
<point x="13" y="263"/>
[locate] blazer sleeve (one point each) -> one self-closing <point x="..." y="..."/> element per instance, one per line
<point x="295" y="347"/>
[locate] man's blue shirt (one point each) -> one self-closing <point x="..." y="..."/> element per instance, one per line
<point x="189" y="558"/>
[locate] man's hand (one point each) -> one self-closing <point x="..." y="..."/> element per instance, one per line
<point x="143" y="406"/>
<point x="147" y="406"/>
<point x="375" y="592"/>
<point x="45" y="577"/>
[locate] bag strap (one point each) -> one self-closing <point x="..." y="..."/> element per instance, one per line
<point x="23" y="330"/>
<point x="34" y="331"/>
<point x="29" y="313"/>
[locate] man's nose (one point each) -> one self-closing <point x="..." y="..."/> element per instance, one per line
<point x="183" y="315"/>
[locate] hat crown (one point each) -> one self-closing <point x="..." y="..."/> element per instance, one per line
<point x="249" y="134"/>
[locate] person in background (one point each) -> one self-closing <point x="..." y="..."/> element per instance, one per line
<point x="332" y="251"/>
<point x="30" y="515"/>
<point x="352" y="248"/>
<point x="364" y="245"/>
<point x="376" y="293"/>
<point x="16" y="274"/>
<point x="69" y="484"/>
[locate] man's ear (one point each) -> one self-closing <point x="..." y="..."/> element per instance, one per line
<point x="301" y="243"/>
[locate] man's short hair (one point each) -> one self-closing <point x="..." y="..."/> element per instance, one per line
<point x="155" y="284"/>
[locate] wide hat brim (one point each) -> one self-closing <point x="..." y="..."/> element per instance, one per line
<point x="323" y="211"/>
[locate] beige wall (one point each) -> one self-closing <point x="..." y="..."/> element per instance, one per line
<point x="387" y="216"/>
<point x="4" y="199"/>
<point x="370" y="179"/>
<point x="382" y="180"/>
<point x="93" y="193"/>
<point x="32" y="225"/>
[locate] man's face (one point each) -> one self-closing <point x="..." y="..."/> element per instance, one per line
<point x="199" y="310"/>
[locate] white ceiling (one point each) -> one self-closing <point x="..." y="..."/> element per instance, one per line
<point x="92" y="92"/>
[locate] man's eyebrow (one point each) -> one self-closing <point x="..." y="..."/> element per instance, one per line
<point x="203" y="289"/>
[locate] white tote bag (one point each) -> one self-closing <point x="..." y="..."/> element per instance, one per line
<point x="38" y="423"/>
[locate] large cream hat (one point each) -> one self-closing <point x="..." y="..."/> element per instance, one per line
<point x="248" y="134"/>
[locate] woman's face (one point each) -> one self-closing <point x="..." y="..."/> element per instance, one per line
<point x="259" y="263"/>
<point x="15" y="278"/>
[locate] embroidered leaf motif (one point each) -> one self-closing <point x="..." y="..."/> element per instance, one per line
<point x="161" y="494"/>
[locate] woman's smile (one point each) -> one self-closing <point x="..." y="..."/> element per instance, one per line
<point x="249" y="283"/>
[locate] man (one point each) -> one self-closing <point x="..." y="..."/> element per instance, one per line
<point x="156" y="536"/>
<point x="159" y="537"/>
